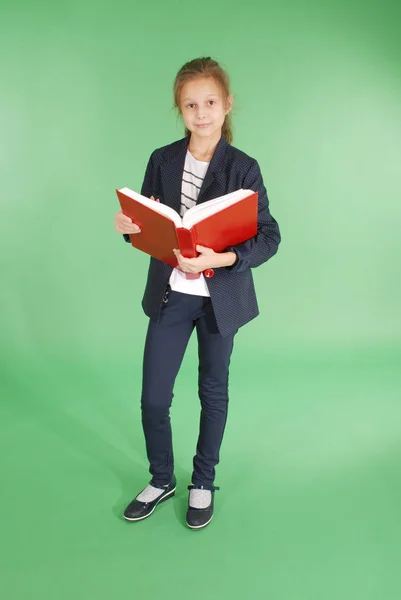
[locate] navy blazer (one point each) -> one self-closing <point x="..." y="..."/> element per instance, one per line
<point x="232" y="289"/>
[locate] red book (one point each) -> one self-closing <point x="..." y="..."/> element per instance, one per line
<point x="216" y="224"/>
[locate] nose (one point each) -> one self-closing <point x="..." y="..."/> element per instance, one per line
<point x="201" y="113"/>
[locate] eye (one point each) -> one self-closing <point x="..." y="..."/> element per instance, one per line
<point x="212" y="101"/>
<point x="190" y="105"/>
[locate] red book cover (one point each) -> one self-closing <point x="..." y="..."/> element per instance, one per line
<point x="159" y="233"/>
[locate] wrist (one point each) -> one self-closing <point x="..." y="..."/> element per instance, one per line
<point x="226" y="259"/>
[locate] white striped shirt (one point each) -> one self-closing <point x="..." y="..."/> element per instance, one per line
<point x="192" y="179"/>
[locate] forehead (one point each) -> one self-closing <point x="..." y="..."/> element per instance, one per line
<point x="201" y="87"/>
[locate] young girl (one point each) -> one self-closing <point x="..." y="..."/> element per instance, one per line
<point x="199" y="167"/>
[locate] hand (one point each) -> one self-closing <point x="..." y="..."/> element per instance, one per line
<point x="124" y="224"/>
<point x="208" y="259"/>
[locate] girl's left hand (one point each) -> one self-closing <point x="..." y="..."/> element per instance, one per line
<point x="208" y="259"/>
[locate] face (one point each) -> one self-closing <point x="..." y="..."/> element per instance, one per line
<point x="203" y="108"/>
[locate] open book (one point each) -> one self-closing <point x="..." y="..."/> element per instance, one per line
<point x="216" y="224"/>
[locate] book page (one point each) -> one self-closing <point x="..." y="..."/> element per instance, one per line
<point x="210" y="207"/>
<point x="167" y="211"/>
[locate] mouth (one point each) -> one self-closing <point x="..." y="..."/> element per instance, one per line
<point x="202" y="125"/>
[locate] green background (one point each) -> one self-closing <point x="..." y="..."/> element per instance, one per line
<point x="310" y="486"/>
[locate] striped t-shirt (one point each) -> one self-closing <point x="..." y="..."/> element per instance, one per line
<point x="192" y="179"/>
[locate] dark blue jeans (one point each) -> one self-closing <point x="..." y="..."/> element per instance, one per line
<point x="165" y="346"/>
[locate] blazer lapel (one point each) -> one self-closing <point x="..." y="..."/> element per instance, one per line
<point x="215" y="166"/>
<point x="171" y="175"/>
<point x="172" y="170"/>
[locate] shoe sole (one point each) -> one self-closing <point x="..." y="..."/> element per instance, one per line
<point x="166" y="497"/>
<point x="199" y="526"/>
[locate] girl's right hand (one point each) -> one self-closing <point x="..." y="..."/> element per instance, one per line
<point x="124" y="224"/>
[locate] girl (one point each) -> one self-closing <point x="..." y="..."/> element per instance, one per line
<point x="199" y="167"/>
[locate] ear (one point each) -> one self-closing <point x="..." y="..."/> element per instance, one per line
<point x="229" y="103"/>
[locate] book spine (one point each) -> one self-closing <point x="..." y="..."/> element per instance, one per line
<point x="186" y="242"/>
<point x="187" y="247"/>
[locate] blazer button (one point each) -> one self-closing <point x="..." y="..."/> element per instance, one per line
<point x="208" y="273"/>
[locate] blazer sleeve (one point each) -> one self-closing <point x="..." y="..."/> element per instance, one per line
<point x="264" y="245"/>
<point x="146" y="189"/>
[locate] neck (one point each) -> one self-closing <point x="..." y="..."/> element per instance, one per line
<point x="203" y="148"/>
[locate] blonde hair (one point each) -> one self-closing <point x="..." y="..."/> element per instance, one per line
<point x="204" y="67"/>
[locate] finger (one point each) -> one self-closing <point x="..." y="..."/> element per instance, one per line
<point x="200" y="248"/>
<point x="129" y="226"/>
<point x="133" y="229"/>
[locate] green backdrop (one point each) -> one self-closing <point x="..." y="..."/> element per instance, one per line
<point x="309" y="474"/>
